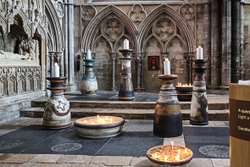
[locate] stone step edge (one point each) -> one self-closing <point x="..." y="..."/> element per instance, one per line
<point x="37" y="112"/>
<point x="127" y="104"/>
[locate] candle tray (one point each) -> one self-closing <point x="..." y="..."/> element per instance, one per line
<point x="154" y="154"/>
<point x="99" y="130"/>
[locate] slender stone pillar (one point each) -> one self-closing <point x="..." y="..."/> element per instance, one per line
<point x="207" y="39"/>
<point x="199" y="104"/>
<point x="71" y="56"/>
<point x="113" y="57"/>
<point x="237" y="40"/>
<point x="226" y="43"/>
<point x="66" y="46"/>
<point x="51" y="56"/>
<point x="189" y="57"/>
<point x="215" y="45"/>
<point x="139" y="60"/>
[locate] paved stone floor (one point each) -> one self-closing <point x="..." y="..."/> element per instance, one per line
<point x="64" y="160"/>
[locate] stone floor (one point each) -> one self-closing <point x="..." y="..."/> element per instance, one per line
<point x="64" y="160"/>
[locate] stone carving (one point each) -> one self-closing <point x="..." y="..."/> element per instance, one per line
<point x="30" y="15"/>
<point x="29" y="49"/>
<point x="87" y="12"/>
<point x="113" y="29"/>
<point x="59" y="6"/>
<point x="164" y="28"/>
<point x="5" y="56"/>
<point x="137" y="14"/>
<point x="187" y="11"/>
<point x="18" y="80"/>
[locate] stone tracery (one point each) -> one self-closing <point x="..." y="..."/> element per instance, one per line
<point x="87" y="12"/>
<point x="137" y="13"/>
<point x="187" y="11"/>
<point x="113" y="29"/>
<point x="164" y="28"/>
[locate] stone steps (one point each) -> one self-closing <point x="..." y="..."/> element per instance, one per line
<point x="127" y="104"/>
<point x="37" y="112"/>
<point x="106" y="103"/>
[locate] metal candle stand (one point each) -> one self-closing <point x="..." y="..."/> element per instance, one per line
<point x="89" y="83"/>
<point x="168" y="117"/>
<point x="199" y="104"/>
<point x="126" y="91"/>
<point x="56" y="111"/>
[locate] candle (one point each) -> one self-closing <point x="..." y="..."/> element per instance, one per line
<point x="89" y="55"/>
<point x="199" y="53"/>
<point x="178" y="156"/>
<point x="56" y="71"/>
<point x="126" y="44"/>
<point x="166" y="67"/>
<point x="172" y="145"/>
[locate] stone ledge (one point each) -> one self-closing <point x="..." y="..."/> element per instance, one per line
<point x="37" y="112"/>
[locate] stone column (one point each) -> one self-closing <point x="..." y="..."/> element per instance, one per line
<point x="207" y="39"/>
<point x="225" y="42"/>
<point x="242" y="72"/>
<point x="215" y="45"/>
<point x="189" y="57"/>
<point x="139" y="60"/>
<point x="66" y="46"/>
<point x="237" y="40"/>
<point x="113" y="57"/>
<point x="71" y="72"/>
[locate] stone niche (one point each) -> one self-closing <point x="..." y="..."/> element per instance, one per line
<point x="20" y="70"/>
<point x="15" y="47"/>
<point x="154" y="30"/>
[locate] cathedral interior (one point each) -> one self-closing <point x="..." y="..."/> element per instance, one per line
<point x="36" y="36"/>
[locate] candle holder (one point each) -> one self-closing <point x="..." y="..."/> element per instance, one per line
<point x="99" y="126"/>
<point x="89" y="83"/>
<point x="170" y="155"/>
<point x="126" y="91"/>
<point x="168" y="117"/>
<point x="56" y="111"/>
<point x="199" y="104"/>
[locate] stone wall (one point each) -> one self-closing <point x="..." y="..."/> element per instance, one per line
<point x="22" y="41"/>
<point x="154" y="31"/>
<point x="247" y="41"/>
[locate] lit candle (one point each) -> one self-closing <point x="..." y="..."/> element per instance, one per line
<point x="166" y="66"/>
<point x="199" y="53"/>
<point x="172" y="144"/>
<point x="126" y="44"/>
<point x="178" y="156"/>
<point x="89" y="55"/>
<point x="56" y="71"/>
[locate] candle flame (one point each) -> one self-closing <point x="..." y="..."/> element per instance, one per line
<point x="169" y="154"/>
<point x="184" y="85"/>
<point x="178" y="156"/>
<point x="172" y="144"/>
<point x="165" y="157"/>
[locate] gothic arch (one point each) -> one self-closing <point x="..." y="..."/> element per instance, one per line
<point x="88" y="38"/>
<point x="3" y="24"/>
<point x="177" y="37"/>
<point x="173" y="15"/>
<point x="54" y="29"/>
<point x="149" y="39"/>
